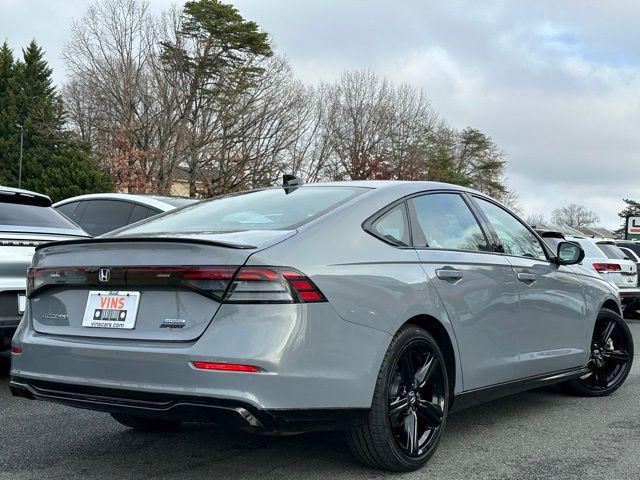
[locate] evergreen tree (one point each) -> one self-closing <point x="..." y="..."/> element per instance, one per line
<point x="55" y="162"/>
<point x="9" y="137"/>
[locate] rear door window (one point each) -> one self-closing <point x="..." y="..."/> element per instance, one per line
<point x="445" y="221"/>
<point x="101" y="216"/>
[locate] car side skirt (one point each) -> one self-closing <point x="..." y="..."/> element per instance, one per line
<point x="245" y="416"/>
<point x="477" y="396"/>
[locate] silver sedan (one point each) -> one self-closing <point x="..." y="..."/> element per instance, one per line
<point x="376" y="308"/>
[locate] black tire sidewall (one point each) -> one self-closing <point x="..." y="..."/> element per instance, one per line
<point x="579" y="387"/>
<point x="405" y="337"/>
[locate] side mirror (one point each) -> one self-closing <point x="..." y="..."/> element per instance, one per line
<point x="569" y="253"/>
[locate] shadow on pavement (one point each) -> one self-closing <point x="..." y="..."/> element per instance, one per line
<point x="5" y="364"/>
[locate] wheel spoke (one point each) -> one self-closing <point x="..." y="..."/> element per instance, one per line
<point x="398" y="406"/>
<point x="431" y="413"/>
<point x="601" y="378"/>
<point x="606" y="334"/>
<point x="411" y="430"/>
<point x="616" y="356"/>
<point x="424" y="373"/>
<point x="407" y="368"/>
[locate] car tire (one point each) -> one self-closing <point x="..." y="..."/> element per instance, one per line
<point x="145" y="424"/>
<point x="611" y="358"/>
<point x="384" y="441"/>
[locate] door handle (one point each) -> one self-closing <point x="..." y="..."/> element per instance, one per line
<point x="526" y="277"/>
<point x="448" y="274"/>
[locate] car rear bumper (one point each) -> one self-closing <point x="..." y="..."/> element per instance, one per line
<point x="629" y="294"/>
<point x="7" y="330"/>
<point x="311" y="361"/>
<point x="190" y="408"/>
<point x="9" y="316"/>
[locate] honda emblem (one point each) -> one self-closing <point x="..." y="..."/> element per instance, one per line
<point x="104" y="275"/>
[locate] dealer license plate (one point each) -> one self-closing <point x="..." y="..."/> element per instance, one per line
<point x="111" y="310"/>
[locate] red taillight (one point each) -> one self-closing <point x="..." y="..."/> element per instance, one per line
<point x="272" y="285"/>
<point x="607" y="267"/>
<point x="227" y="367"/>
<point x="16" y="349"/>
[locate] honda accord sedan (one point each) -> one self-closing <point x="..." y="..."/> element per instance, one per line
<point x="377" y="308"/>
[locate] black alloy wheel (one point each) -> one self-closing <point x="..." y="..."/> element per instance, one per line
<point x="611" y="357"/>
<point x="410" y="405"/>
<point x="416" y="398"/>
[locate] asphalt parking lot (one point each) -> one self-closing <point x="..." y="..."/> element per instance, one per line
<point x="535" y="435"/>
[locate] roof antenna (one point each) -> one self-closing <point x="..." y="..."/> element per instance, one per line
<point x="290" y="183"/>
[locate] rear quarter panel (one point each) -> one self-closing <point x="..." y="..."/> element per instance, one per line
<point x="367" y="281"/>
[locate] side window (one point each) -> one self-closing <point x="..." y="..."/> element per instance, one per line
<point x="68" y="209"/>
<point x="140" y="213"/>
<point x="515" y="238"/>
<point x="152" y="213"/>
<point x="630" y="254"/>
<point x="102" y="216"/>
<point x="446" y="222"/>
<point x="393" y="226"/>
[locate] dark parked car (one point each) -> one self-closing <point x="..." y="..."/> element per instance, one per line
<point x="103" y="212"/>
<point x="629" y="245"/>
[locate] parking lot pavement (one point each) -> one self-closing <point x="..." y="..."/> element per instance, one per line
<point x="535" y="435"/>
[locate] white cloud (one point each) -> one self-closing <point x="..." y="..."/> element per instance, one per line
<point x="554" y="83"/>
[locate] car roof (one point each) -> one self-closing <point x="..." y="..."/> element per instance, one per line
<point x="417" y="185"/>
<point x="25" y="197"/>
<point x="148" y="201"/>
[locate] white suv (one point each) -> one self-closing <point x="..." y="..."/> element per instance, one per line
<point x="612" y="264"/>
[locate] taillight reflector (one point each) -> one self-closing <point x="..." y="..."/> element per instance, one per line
<point x="16" y="349"/>
<point x="227" y="367"/>
<point x="607" y="267"/>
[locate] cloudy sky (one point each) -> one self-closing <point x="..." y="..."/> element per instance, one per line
<point x="556" y="83"/>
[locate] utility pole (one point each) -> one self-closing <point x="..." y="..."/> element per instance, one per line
<point x="20" y="164"/>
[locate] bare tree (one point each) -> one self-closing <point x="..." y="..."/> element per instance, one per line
<point x="574" y="215"/>
<point x="153" y="93"/>
<point x="535" y="219"/>
<point x="113" y="93"/>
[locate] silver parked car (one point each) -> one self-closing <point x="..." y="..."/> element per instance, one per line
<point x="372" y="307"/>
<point x="99" y="213"/>
<point x="26" y="221"/>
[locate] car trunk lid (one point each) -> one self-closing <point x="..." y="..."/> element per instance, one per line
<point x="171" y="286"/>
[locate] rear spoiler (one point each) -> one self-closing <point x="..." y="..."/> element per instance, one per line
<point x="81" y="241"/>
<point x="24" y="197"/>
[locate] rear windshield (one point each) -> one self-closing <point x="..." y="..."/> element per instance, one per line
<point x="611" y="251"/>
<point x="16" y="217"/>
<point x="271" y="209"/>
